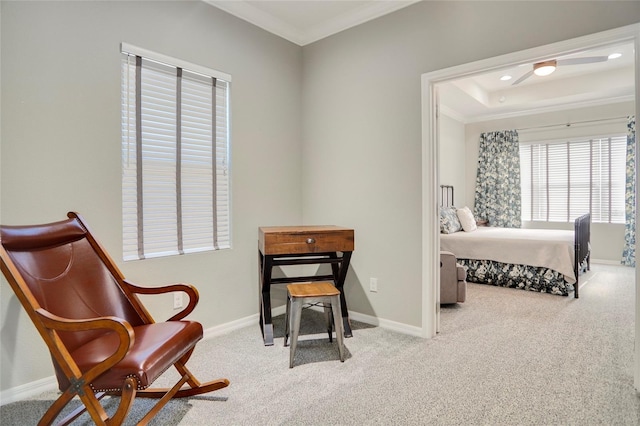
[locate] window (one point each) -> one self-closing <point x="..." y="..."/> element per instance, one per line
<point x="175" y="156"/>
<point x="561" y="181"/>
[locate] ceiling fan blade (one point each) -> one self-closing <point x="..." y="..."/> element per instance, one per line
<point x="584" y="60"/>
<point x="523" y="78"/>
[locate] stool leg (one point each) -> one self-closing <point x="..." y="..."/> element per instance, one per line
<point x="296" y="313"/>
<point x="287" y="319"/>
<point x="337" y="319"/>
<point x="329" y="317"/>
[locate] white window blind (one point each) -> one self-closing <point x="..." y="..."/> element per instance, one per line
<point x="175" y="150"/>
<point x="561" y="181"/>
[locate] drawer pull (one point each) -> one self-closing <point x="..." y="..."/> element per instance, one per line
<point x="311" y="240"/>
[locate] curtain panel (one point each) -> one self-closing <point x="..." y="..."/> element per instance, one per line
<point x="629" y="252"/>
<point x="497" y="196"/>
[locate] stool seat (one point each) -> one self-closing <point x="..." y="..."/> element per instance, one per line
<point x="323" y="288"/>
<point x="322" y="292"/>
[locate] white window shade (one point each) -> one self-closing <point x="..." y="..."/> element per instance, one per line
<point x="175" y="159"/>
<point x="561" y="181"/>
<point x="558" y="183"/>
<point x="581" y="173"/>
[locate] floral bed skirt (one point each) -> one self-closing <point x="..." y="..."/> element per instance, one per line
<point x="540" y="279"/>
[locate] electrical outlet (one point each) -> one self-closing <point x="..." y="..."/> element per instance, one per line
<point x="177" y="300"/>
<point x="373" y="284"/>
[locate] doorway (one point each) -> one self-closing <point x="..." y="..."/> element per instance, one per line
<point x="431" y="153"/>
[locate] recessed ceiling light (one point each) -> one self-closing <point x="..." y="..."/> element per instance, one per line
<point x="506" y="77"/>
<point x="615" y="55"/>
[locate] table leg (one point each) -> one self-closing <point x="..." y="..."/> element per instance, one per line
<point x="266" y="263"/>
<point x="340" y="274"/>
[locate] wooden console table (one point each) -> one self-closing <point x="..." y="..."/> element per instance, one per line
<point x="302" y="245"/>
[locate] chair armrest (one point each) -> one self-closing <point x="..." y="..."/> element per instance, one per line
<point x="122" y="328"/>
<point x="190" y="290"/>
<point x="447" y="262"/>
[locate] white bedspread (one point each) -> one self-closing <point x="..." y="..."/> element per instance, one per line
<point x="550" y="248"/>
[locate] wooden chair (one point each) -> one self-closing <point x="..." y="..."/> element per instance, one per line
<point x="101" y="338"/>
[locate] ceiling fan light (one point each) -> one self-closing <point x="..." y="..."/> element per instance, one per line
<point x="544" y="68"/>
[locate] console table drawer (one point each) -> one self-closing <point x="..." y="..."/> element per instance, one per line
<point x="304" y="239"/>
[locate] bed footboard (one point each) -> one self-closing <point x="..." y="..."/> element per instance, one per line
<point x="582" y="250"/>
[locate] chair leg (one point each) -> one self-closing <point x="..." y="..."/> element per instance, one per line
<point x="92" y="405"/>
<point x="187" y="392"/>
<point x="163" y="401"/>
<point x="126" y="401"/>
<point x="57" y="406"/>
<point x="296" y="314"/>
<point x="196" y="388"/>
<point x="337" y="319"/>
<point x="75" y="413"/>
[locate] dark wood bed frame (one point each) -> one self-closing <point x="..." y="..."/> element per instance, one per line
<point x="582" y="237"/>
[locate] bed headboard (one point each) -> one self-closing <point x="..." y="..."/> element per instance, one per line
<point x="446" y="195"/>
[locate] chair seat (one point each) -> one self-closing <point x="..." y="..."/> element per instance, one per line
<point x="156" y="347"/>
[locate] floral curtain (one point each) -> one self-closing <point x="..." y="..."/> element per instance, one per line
<point x="497" y="197"/>
<point x="629" y="252"/>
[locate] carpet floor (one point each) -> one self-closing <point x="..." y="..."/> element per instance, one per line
<point x="504" y="357"/>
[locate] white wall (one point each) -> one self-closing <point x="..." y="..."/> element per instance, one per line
<point x="362" y="123"/>
<point x="452" y="151"/>
<point x="61" y="143"/>
<point x="607" y="240"/>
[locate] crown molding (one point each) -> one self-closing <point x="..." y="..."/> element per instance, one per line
<point x="479" y="118"/>
<point x="550" y="108"/>
<point x="259" y="18"/>
<point x="451" y="113"/>
<point x="304" y="36"/>
<point x="357" y="16"/>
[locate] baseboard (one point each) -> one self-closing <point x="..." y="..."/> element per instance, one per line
<point x="607" y="262"/>
<point x="228" y="327"/>
<point x="383" y="323"/>
<point x="32" y="389"/>
<point x="387" y="324"/>
<point x="28" y="390"/>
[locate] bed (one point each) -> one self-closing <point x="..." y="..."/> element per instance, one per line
<point x="543" y="260"/>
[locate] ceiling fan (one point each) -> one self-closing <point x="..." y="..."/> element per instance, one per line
<point x="547" y="67"/>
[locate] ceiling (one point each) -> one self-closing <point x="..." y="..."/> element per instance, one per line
<point x="476" y="98"/>
<point x="485" y="97"/>
<point x="305" y="21"/>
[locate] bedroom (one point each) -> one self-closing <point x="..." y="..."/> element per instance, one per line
<point x="577" y="102"/>
<point x="587" y="118"/>
<point x="60" y="71"/>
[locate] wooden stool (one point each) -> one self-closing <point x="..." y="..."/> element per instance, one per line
<point x="315" y="293"/>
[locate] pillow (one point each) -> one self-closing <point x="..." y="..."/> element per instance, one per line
<point x="467" y="221"/>
<point x="449" y="222"/>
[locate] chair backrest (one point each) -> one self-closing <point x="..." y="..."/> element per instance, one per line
<point x="61" y="268"/>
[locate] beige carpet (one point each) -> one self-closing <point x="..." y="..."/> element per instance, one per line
<point x="505" y="357"/>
